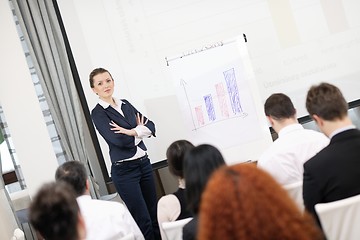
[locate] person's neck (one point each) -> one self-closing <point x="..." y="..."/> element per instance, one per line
<point x="284" y="123"/>
<point x="109" y="100"/>
<point x="181" y="183"/>
<point x="332" y="126"/>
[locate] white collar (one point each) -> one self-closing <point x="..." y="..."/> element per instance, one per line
<point x="84" y="197"/>
<point x="339" y="130"/>
<point x="106" y="104"/>
<point x="290" y="128"/>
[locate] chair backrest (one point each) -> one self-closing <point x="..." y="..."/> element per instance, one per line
<point x="295" y="192"/>
<point x="129" y="236"/>
<point x="340" y="219"/>
<point x="18" y="234"/>
<point x="173" y="230"/>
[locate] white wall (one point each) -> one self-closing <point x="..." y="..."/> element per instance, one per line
<point x="131" y="38"/>
<point x="21" y="108"/>
<point x="292" y="43"/>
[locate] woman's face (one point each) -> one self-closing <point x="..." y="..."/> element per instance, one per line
<point x="103" y="85"/>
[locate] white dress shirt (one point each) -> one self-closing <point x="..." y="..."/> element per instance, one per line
<point x="285" y="158"/>
<point x="107" y="220"/>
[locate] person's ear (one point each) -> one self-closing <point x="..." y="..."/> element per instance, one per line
<point x="318" y="120"/>
<point x="270" y="120"/>
<point x="94" y="91"/>
<point x="87" y="184"/>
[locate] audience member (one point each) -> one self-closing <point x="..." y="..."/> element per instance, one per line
<point x="199" y="163"/>
<point x="103" y="219"/>
<point x="55" y="214"/>
<point x="172" y="207"/>
<point x="295" y="145"/>
<point x="244" y="202"/>
<point x="334" y="173"/>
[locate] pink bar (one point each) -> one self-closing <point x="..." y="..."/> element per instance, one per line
<point x="220" y="92"/>
<point x="199" y="115"/>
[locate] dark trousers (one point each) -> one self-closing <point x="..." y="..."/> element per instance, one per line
<point x="134" y="181"/>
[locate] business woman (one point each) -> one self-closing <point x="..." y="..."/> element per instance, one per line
<point x="123" y="128"/>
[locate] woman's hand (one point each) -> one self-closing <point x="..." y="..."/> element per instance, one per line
<point x="140" y="120"/>
<point x="117" y="129"/>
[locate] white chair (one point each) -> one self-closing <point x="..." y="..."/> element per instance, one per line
<point x="173" y="230"/>
<point x="129" y="236"/>
<point x="20" y="199"/>
<point x="18" y="234"/>
<point x="295" y="192"/>
<point x="340" y="219"/>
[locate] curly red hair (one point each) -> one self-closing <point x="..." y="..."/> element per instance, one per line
<point x="244" y="202"/>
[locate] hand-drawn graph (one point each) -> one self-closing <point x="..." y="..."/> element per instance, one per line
<point x="218" y="100"/>
<point x="210" y="107"/>
<point x="233" y="90"/>
<point x="221" y="102"/>
<point x="220" y="92"/>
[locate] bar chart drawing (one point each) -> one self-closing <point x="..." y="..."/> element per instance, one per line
<point x="233" y="90"/>
<point x="218" y="99"/>
<point x="211" y="102"/>
<point x="210" y="107"/>
<point x="199" y="115"/>
<point x="220" y="92"/>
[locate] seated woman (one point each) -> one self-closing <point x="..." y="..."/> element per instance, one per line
<point x="172" y="207"/>
<point x="244" y="202"/>
<point x="199" y="163"/>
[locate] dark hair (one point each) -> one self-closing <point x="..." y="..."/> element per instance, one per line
<point x="244" y="202"/>
<point x="54" y="212"/>
<point x="73" y="173"/>
<point x="175" y="156"/>
<point x="199" y="163"/>
<point x="279" y="106"/>
<point x="326" y="101"/>
<point x="95" y="72"/>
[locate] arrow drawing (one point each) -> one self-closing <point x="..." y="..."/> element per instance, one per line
<point x="183" y="84"/>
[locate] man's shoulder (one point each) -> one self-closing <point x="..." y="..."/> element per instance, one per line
<point x="273" y="152"/>
<point x="312" y="134"/>
<point x="312" y="131"/>
<point x="320" y="159"/>
<point x="103" y="207"/>
<point x="108" y="203"/>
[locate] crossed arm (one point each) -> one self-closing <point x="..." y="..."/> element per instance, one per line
<point x="140" y="121"/>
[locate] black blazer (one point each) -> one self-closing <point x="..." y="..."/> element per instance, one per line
<point x="121" y="146"/>
<point x="333" y="173"/>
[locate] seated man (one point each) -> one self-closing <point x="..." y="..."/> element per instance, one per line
<point x="334" y="173"/>
<point x="103" y="219"/>
<point x="55" y="214"/>
<point x="295" y="145"/>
